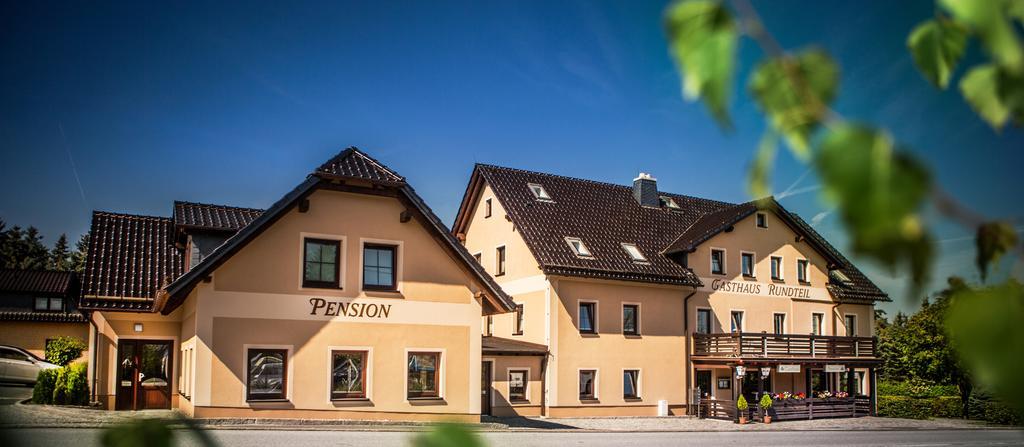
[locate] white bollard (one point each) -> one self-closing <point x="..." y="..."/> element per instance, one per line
<point x="663" y="407"/>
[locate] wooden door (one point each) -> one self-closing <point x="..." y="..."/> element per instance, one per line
<point x="486" y="386"/>
<point x="144" y="374"/>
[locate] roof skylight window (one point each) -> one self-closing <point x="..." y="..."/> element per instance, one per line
<point x="840" y="277"/>
<point x="539" y="192"/>
<point x="634" y="252"/>
<point x="669" y="202"/>
<point x="577" y="247"/>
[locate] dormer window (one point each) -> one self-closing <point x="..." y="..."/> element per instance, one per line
<point x="577" y="247"/>
<point x="634" y="252"/>
<point x="539" y="192"/>
<point x="669" y="203"/>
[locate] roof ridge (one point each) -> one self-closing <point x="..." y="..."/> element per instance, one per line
<point x="186" y="202"/>
<point x="598" y="182"/>
<point x="140" y="216"/>
<point x="380" y="165"/>
<point x="323" y="170"/>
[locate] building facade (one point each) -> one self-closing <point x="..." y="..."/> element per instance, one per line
<point x="37" y="306"/>
<point x="346" y="299"/>
<point x="644" y="299"/>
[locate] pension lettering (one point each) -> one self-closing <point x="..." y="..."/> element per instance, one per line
<point x="320" y="306"/>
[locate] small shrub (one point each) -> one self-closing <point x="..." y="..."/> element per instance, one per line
<point x="741" y="403"/>
<point x="72" y="385"/>
<point x="64" y="350"/>
<point x="60" y="387"/>
<point x="46" y="381"/>
<point x="985" y="407"/>
<point x="766" y="402"/>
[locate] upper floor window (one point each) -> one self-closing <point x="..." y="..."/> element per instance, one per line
<point x="779" y="324"/>
<point x="718" y="261"/>
<point x="539" y="192"/>
<point x="379" y="267"/>
<point x="669" y="202"/>
<point x="487" y="208"/>
<point x="588" y="318"/>
<point x="631" y="319"/>
<point x="634" y="252"/>
<point x="736" y="321"/>
<point x="747" y="264"/>
<point x="817" y="323"/>
<point x="489" y="325"/>
<point x="851" y="325"/>
<point x="499" y="261"/>
<point x="517" y="323"/>
<point x="321" y="259"/>
<point x="578" y="247"/>
<point x="777" y="268"/>
<point x="762" y="220"/>
<point x="703" y="321"/>
<point x="801" y="270"/>
<point x="49" y="304"/>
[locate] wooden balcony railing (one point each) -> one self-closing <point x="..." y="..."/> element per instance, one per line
<point x="765" y="345"/>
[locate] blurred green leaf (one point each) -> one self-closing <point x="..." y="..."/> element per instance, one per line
<point x="990" y="20"/>
<point x="937" y="46"/>
<point x="795" y="93"/>
<point x="759" y="177"/>
<point x="703" y="38"/>
<point x="980" y="88"/>
<point x="143" y="432"/>
<point x="1010" y="89"/>
<point x="984" y="325"/>
<point x="448" y="435"/>
<point x="994" y="239"/>
<point x="878" y="192"/>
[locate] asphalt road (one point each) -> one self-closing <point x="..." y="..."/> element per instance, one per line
<point x="10" y="393"/>
<point x="922" y="438"/>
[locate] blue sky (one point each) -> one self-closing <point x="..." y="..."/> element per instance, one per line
<point x="127" y="107"/>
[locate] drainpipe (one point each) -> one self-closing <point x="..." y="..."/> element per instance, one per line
<point x="686" y="349"/>
<point x="92" y="354"/>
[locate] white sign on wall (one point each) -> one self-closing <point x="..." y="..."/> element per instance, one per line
<point x="835" y="368"/>
<point x="788" y="368"/>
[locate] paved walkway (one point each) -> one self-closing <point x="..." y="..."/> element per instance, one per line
<point x="45" y="416"/>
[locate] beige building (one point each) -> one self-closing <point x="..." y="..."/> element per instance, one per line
<point x="348" y="298"/>
<point x="37" y="306"/>
<point x="652" y="303"/>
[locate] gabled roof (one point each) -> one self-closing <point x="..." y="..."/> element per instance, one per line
<point x="603" y="215"/>
<point x="130" y="258"/>
<point x="204" y="216"/>
<point x="42" y="317"/>
<point x="350" y="164"/>
<point x="41" y="282"/>
<point x="606" y="215"/>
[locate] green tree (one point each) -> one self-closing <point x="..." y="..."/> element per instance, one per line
<point x="23" y="249"/>
<point x="877" y="187"/>
<point x="60" y="256"/>
<point x="80" y="253"/>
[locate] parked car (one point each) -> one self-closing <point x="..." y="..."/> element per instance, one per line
<point x="20" y="366"/>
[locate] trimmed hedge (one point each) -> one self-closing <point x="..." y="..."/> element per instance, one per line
<point x="63" y="350"/>
<point x="920" y="408"/>
<point x="911" y="389"/>
<point x="46" y="381"/>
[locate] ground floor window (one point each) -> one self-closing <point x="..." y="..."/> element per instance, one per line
<point x="266" y="379"/>
<point x="348" y="374"/>
<point x="588" y="377"/>
<point x="517" y="385"/>
<point x="423" y="377"/>
<point x="631" y="384"/>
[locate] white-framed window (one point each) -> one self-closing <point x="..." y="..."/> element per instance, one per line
<point x="351" y="372"/>
<point x="539" y="192"/>
<point x="634" y="252"/>
<point x="578" y="247"/>
<point x="801" y="270"/>
<point x="779" y="323"/>
<point x="268" y="371"/>
<point x="586" y="317"/>
<point x="817" y="323"/>
<point x="588" y="384"/>
<point x="323" y="261"/>
<point x="762" y="220"/>
<point x="487" y="208"/>
<point x="631" y="318"/>
<point x="703" y="321"/>
<point x="718" y="261"/>
<point x="49" y="304"/>
<point x="736" y="321"/>
<point x="747" y="264"/>
<point x="631" y="383"/>
<point x="669" y="202"/>
<point x="499" y="261"/>
<point x="519" y="385"/>
<point x="776" y="268"/>
<point x="424" y="373"/>
<point x="851" y="325"/>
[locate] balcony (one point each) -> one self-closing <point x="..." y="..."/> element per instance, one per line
<point x="748" y="345"/>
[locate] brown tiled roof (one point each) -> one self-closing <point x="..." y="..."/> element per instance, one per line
<point x="205" y="216"/>
<point x="354" y="163"/>
<point x="47" y="317"/>
<point x="47" y="282"/>
<point x="605" y="215"/>
<point x="497" y="345"/>
<point x="130" y="258"/>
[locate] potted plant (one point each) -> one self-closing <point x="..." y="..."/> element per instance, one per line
<point x="766" y="404"/>
<point x="741" y="407"/>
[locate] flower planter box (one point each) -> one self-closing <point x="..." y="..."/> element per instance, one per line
<point x="814" y="408"/>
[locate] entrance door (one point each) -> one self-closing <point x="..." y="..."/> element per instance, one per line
<point x="754" y="385"/>
<point x="703" y="379"/>
<point x="485" y="388"/>
<point x="144" y="374"/>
